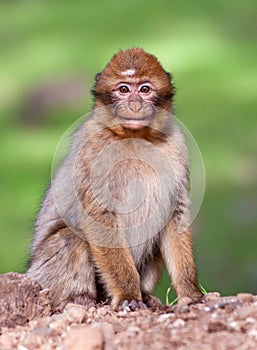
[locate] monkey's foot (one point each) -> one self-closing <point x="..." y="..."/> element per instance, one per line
<point x="84" y="300"/>
<point x="196" y="296"/>
<point x="151" y="302"/>
<point x="189" y="291"/>
<point x="132" y="305"/>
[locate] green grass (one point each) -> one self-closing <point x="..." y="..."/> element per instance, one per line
<point x="210" y="49"/>
<point x="174" y="300"/>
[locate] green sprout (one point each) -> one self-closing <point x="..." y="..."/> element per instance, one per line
<point x="174" y="301"/>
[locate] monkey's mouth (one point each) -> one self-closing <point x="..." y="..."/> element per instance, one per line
<point x="134" y="124"/>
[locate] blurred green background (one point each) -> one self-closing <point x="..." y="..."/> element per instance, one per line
<point x="49" y="54"/>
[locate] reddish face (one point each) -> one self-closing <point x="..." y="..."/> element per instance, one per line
<point x="134" y="84"/>
<point x="133" y="103"/>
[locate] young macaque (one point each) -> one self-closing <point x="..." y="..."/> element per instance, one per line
<point x="117" y="208"/>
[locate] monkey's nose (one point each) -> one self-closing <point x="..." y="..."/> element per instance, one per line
<point x="134" y="106"/>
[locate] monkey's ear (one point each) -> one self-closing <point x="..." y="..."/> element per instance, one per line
<point x="98" y="76"/>
<point x="169" y="75"/>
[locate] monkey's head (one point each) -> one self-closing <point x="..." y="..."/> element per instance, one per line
<point x="134" y="85"/>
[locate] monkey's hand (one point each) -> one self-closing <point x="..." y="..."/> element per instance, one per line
<point x="151" y="302"/>
<point x="131" y="305"/>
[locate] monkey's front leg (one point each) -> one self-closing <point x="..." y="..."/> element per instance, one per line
<point x="120" y="276"/>
<point x="116" y="265"/>
<point x="177" y="252"/>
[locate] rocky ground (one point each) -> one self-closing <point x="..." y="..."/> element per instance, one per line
<point x="27" y="322"/>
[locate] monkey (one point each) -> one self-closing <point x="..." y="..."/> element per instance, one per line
<point x="116" y="211"/>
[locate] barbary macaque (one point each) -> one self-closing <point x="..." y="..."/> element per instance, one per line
<point x="117" y="209"/>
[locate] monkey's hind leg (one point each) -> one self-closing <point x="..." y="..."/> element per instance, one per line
<point x="177" y="252"/>
<point x="63" y="264"/>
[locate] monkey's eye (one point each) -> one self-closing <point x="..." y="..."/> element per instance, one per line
<point x="123" y="89"/>
<point x="145" y="89"/>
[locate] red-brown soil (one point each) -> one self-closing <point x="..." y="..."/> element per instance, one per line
<point x="27" y="322"/>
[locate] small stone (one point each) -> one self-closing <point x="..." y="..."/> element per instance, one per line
<point x="108" y="345"/>
<point x="44" y="331"/>
<point x="228" y="303"/>
<point x="211" y="296"/>
<point x="175" y="341"/>
<point x="182" y="308"/>
<point x="84" y="337"/>
<point x="75" y="313"/>
<point x="253" y="333"/>
<point x="184" y="301"/>
<point x="230" y="300"/>
<point x="6" y="342"/>
<point x="109" y="335"/>
<point x="246" y="327"/>
<point x="245" y="297"/>
<point x="192" y="315"/>
<point x="164" y="317"/>
<point x="48" y="345"/>
<point x="124" y="313"/>
<point x="40" y="322"/>
<point x="102" y="312"/>
<point x="33" y="341"/>
<point x="234" y="325"/>
<point x="91" y="311"/>
<point x="21" y="347"/>
<point x="200" y="307"/>
<point x="59" y="323"/>
<point x="178" y="323"/>
<point x="247" y="311"/>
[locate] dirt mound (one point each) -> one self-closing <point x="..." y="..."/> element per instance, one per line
<point x="217" y="323"/>
<point x="21" y="300"/>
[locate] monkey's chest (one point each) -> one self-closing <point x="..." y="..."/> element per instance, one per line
<point x="138" y="183"/>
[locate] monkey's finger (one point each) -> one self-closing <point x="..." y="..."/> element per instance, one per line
<point x="151" y="302"/>
<point x="132" y="305"/>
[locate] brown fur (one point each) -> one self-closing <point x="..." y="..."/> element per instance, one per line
<point x="86" y="247"/>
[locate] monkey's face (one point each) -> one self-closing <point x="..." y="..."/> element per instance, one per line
<point x="133" y="87"/>
<point x="133" y="103"/>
